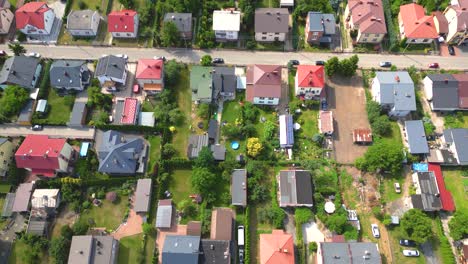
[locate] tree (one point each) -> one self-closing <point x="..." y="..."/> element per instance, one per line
<point x="416" y="225"/>
<point x="128" y="4"/>
<point x="98" y="99"/>
<point x="254" y="147"/>
<point x="17" y="49"/>
<point x="373" y="110"/>
<point x="302" y="215"/>
<point x="381" y="126"/>
<point x="232" y="131"/>
<point x="168" y="151"/>
<point x="273" y="215"/>
<point x="187" y="208"/>
<point x="80" y="228"/>
<point x="12" y="100"/>
<point x="250" y="112"/>
<point x="203" y="111"/>
<point x="147" y="228"/>
<point x="337" y="222"/>
<point x="66" y="232"/>
<point x="382" y="155"/>
<point x="176" y="116"/>
<point x="59" y="249"/>
<point x="332" y="66"/>
<point x="204" y="181"/>
<point x="170" y="35"/>
<point x="459" y="225"/>
<point x="171" y="73"/>
<point x="205" y="158"/>
<point x="206" y="60"/>
<point x="313" y="247"/>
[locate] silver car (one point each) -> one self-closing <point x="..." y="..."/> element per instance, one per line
<point x="410" y="253"/>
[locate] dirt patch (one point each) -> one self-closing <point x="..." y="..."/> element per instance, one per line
<point x="65" y="217"/>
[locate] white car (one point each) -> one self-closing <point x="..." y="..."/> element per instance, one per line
<point x="397" y="187"/>
<point x="124" y="56"/>
<point x="375" y="230"/>
<point x="410" y="253"/>
<point x="34" y="54"/>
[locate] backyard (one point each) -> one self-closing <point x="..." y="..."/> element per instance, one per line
<point x="17" y="254"/>
<point x="184" y="101"/>
<point x="155" y="152"/>
<point x="130" y="250"/>
<point x="457" y="185"/>
<point x="180" y="186"/>
<point x="109" y="215"/>
<point x="59" y="108"/>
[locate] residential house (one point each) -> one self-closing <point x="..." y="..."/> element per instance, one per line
<point x="295" y="188"/>
<point x="201" y="84"/>
<point x="44" y="204"/>
<point x="394" y="91"/>
<point x="143" y="196"/>
<point x="78" y="115"/>
<point x="325" y="123"/>
<point x="226" y="24"/>
<point x="6" y="155"/>
<point x="224" y="82"/>
<point x="263" y="84"/>
<point x="215" y="251"/>
<point x="111" y="70"/>
<point x="123" y="24"/>
<point x="120" y="154"/>
<point x="309" y="82"/>
<point x="69" y="75"/>
<point x="219" y="152"/>
<point x="277" y="247"/>
<point x="183" y="22"/>
<point x="126" y="111"/>
<point x="150" y="75"/>
<point x="446" y="197"/>
<point x="35" y="18"/>
<point x="415" y="25"/>
<point x="6" y="17"/>
<point x="427" y="195"/>
<point x="25" y="115"/>
<point x="196" y="143"/>
<point x="286" y="3"/>
<point x="239" y="187"/>
<point x="456" y="141"/>
<point x="181" y="249"/>
<point x="93" y="249"/>
<point x="83" y="23"/>
<point x="319" y="28"/>
<point x="20" y="70"/>
<point x="415" y="137"/>
<point x="348" y="252"/>
<point x="22" y="197"/>
<point x="271" y="24"/>
<point x="44" y="156"/>
<point x="440" y="23"/>
<point x="362" y="136"/>
<point x="221" y="224"/>
<point x="286" y="135"/>
<point x="164" y="214"/>
<point x="367" y="18"/>
<point x="462" y="79"/>
<point x="441" y="90"/>
<point x="457" y="19"/>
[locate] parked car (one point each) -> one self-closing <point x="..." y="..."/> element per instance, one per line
<point x="320" y="62"/>
<point x="451" y="50"/>
<point x="375" y="230"/>
<point x="136" y="88"/>
<point x="294" y="62"/>
<point x="397" y="187"/>
<point x="407" y="243"/>
<point x="410" y="253"/>
<point x="218" y="60"/>
<point x="434" y="65"/>
<point x="124" y="56"/>
<point x="385" y="64"/>
<point x="159" y="58"/>
<point x="34" y="54"/>
<point x="241" y="256"/>
<point x="37" y="128"/>
<point x="2" y="53"/>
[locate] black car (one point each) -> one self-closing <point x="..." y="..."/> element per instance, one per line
<point x="321" y="63"/>
<point x="385" y="64"/>
<point x="218" y="60"/>
<point x="37" y="127"/>
<point x="451" y="50"/>
<point x="294" y="62"/>
<point x="407" y="243"/>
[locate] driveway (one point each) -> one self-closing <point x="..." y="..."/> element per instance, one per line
<point x="131" y="227"/>
<point x="436" y="117"/>
<point x="347" y="101"/>
<point x="8" y="130"/>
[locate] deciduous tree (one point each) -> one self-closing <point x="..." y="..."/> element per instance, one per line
<point x="17" y="49"/>
<point x="170" y="36"/>
<point x="459" y="225"/>
<point x="382" y="155"/>
<point x="206" y="60"/>
<point x="254" y="147"/>
<point x="416" y="226"/>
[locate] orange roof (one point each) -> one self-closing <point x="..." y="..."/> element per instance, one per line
<point x="277" y="248"/>
<point x="310" y="76"/>
<point x="369" y="15"/>
<point x="149" y="69"/>
<point x="416" y="23"/>
<point x="152" y="87"/>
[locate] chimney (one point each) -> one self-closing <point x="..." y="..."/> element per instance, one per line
<point x="126" y="13"/>
<point x="275" y="72"/>
<point x="232" y="11"/>
<point x="428" y="23"/>
<point x="65" y="73"/>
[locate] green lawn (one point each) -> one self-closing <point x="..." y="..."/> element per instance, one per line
<point x="102" y="36"/>
<point x="3" y="222"/>
<point x="455" y="183"/>
<point x="99" y="5"/>
<point x="180" y="186"/>
<point x="17" y="253"/>
<point x="130" y="248"/>
<point x="184" y="101"/>
<point x="108" y="215"/>
<point x="59" y="111"/>
<point x="5" y="188"/>
<point x="458" y="120"/>
<point x="232" y="111"/>
<point x="155" y="152"/>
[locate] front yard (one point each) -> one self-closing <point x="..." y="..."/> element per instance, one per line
<point x="109" y="215"/>
<point x="59" y="107"/>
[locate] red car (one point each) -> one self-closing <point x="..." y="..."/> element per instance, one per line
<point x="434" y="65"/>
<point x="136" y="88"/>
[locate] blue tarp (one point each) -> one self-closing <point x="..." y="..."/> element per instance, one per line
<point x="420" y="167"/>
<point x="84" y="149"/>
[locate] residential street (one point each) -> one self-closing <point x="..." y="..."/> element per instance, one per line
<point x="242" y="57"/>
<point x="52" y="131"/>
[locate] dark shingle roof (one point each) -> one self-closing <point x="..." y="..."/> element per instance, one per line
<point x="77" y="114"/>
<point x="429" y="198"/>
<point x="213" y="128"/>
<point x="295" y="188"/>
<point x="445" y="91"/>
<point x="416" y="137"/>
<point x="224" y="79"/>
<point x="215" y="251"/>
<point x="67" y="74"/>
<point x="459" y="137"/>
<point x="219" y="152"/>
<point x="181" y="249"/>
<point x="111" y="66"/>
<point x="19" y="70"/>
<point x="196" y="143"/>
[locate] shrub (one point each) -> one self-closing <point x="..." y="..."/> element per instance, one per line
<point x="111" y="196"/>
<point x="86" y="205"/>
<point x="313" y="247"/>
<point x="82" y="5"/>
<point x="302" y="216"/>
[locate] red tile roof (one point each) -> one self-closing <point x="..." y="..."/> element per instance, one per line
<point x="445" y="195"/>
<point x="310" y="76"/>
<point x="31" y="14"/>
<point x="40" y="153"/>
<point x="221" y="224"/>
<point x="416" y="23"/>
<point x="121" y="21"/>
<point x="462" y="79"/>
<point x="362" y="135"/>
<point x="149" y="69"/>
<point x="130" y="111"/>
<point x="277" y="248"/>
<point x="369" y="15"/>
<point x="263" y="81"/>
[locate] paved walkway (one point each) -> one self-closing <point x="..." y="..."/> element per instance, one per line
<point x="130" y="228"/>
<point x="52" y="131"/>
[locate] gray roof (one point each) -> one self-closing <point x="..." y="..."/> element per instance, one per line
<point x="196" y="143"/>
<point x="397" y="88"/>
<point x="224" y="79"/>
<point x="26" y="112"/>
<point x="458" y="137"/>
<point x="181" y="249"/>
<point x="164" y="214"/>
<point x="215" y="251"/>
<point x="111" y="66"/>
<point x="81" y="19"/>
<point x="22" y="197"/>
<point x="119" y="154"/>
<point x="350" y="252"/>
<point x="322" y="23"/>
<point x="143" y="195"/>
<point x="272" y="20"/>
<point x="183" y="21"/>
<point x="37" y="227"/>
<point x="444" y="91"/>
<point x="239" y="187"/>
<point x="429" y="198"/>
<point x="93" y="249"/>
<point x="19" y="70"/>
<point x="67" y="74"/>
<point x="416" y="137"/>
<point x="295" y="188"/>
<point x="213" y="128"/>
<point x="77" y="114"/>
<point x="219" y="152"/>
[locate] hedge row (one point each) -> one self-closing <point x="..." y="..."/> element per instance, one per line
<point x="68" y="6"/>
<point x="180" y="163"/>
<point x="445" y="248"/>
<point x="44" y="85"/>
<point x="247" y="235"/>
<point x="108" y="182"/>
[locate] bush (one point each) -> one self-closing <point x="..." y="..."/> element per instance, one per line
<point x="86" y="205"/>
<point x="302" y="216"/>
<point x="313" y="247"/>
<point x="68" y="6"/>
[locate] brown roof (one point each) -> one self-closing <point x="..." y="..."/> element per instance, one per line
<point x="462" y="17"/>
<point x="369" y="15"/>
<point x="462" y="79"/>
<point x="272" y="20"/>
<point x="362" y="135"/>
<point x="326" y="122"/>
<point x="194" y="228"/>
<point x="221" y="224"/>
<point x="443" y="23"/>
<point x="263" y="81"/>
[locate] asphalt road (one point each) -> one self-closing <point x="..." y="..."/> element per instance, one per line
<point x="54" y="132"/>
<point x="243" y="57"/>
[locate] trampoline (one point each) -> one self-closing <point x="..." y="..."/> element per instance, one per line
<point x="235" y="145"/>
